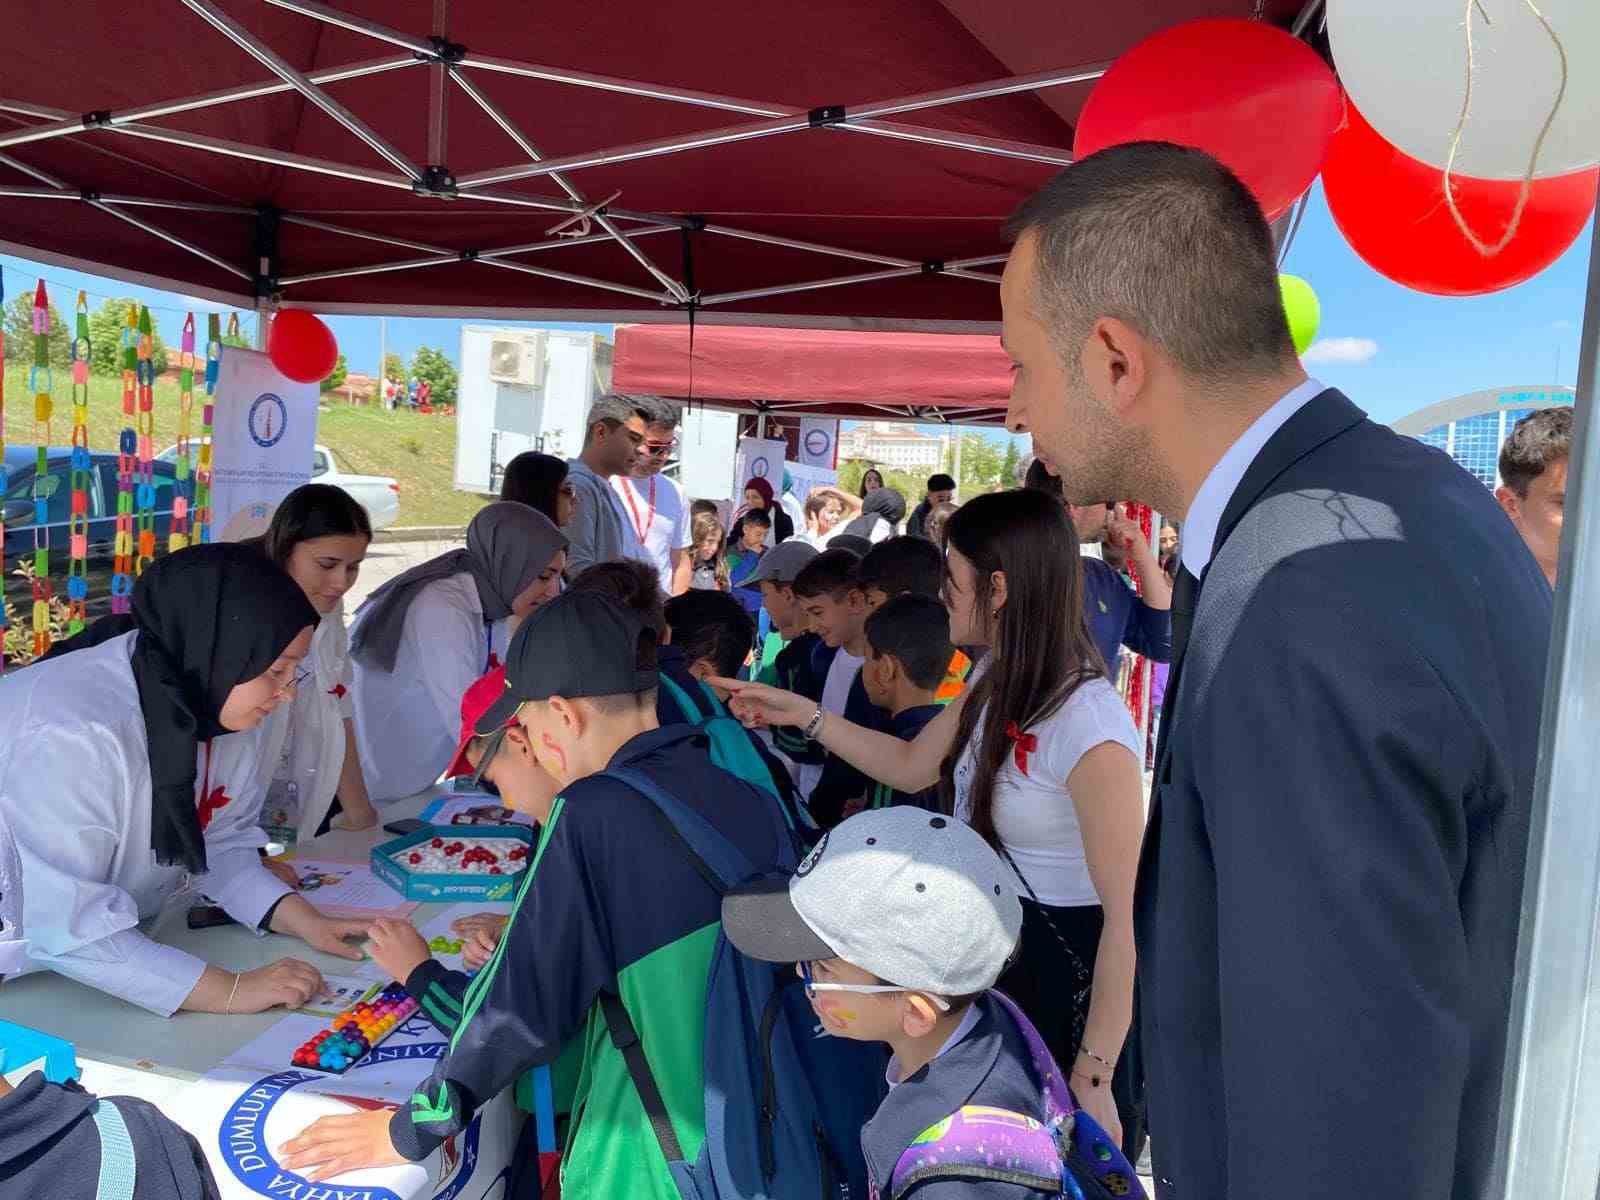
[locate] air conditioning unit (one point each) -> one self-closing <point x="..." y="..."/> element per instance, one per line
<point x="518" y="358"/>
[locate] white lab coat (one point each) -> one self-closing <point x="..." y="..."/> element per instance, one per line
<point x="409" y="722"/>
<point x="311" y="729"/>
<point x="75" y="792"/>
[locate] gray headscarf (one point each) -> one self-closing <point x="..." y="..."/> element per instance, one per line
<point x="508" y="544"/>
<point x="886" y="505"/>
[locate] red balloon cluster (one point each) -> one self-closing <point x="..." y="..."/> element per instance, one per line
<point x="1251" y="96"/>
<point x="301" y="346"/>
<point x="1391" y="209"/>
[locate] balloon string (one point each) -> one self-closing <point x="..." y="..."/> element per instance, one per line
<point x="1477" y="243"/>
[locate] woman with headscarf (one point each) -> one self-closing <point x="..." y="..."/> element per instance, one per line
<point x="421" y="640"/>
<point x="540" y="481"/>
<point x="875" y="518"/>
<point x="758" y="496"/>
<point x="130" y="771"/>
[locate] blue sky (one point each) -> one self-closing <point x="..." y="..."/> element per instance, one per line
<point x="1392" y="350"/>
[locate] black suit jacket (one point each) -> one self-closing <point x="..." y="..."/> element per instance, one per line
<point x="1326" y="911"/>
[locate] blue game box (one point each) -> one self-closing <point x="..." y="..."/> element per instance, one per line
<point x="448" y="888"/>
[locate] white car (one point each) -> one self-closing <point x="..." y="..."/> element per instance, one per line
<point x="378" y="494"/>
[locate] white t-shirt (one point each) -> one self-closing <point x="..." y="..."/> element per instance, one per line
<point x="1034" y="816"/>
<point x="654" y="509"/>
<point x="408" y="722"/>
<point x="835" y="694"/>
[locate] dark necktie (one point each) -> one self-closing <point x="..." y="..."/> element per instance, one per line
<point x="1185" y="590"/>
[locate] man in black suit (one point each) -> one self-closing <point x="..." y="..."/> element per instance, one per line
<point x="1328" y="893"/>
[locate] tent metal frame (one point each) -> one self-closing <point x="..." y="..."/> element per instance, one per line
<point x="450" y="64"/>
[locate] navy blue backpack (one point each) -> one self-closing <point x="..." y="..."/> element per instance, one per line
<point x="784" y="1102"/>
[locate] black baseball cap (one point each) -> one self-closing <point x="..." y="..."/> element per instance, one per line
<point x="580" y="644"/>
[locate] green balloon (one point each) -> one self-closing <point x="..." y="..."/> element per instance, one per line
<point x="1300" y="305"/>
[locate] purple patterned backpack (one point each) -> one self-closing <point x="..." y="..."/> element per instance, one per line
<point x="1067" y="1154"/>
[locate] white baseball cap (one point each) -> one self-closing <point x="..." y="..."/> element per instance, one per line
<point x="13" y="949"/>
<point x="919" y="900"/>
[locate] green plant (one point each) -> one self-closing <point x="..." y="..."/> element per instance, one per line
<point x="411" y="445"/>
<point x="336" y="377"/>
<point x="18" y="649"/>
<point x="19" y="333"/>
<point x="106" y="324"/>
<point x="433" y="366"/>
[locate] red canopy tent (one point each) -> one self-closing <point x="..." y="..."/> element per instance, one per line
<point x="832" y="163"/>
<point x="959" y="378"/>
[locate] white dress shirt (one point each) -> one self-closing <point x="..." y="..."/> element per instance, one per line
<point x="1205" y="514"/>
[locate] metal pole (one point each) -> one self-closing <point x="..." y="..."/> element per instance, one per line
<point x="1549" y="1143"/>
<point x="383" y="358"/>
<point x="173" y="239"/>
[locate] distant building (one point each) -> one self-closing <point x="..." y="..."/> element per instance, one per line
<point x="1472" y="428"/>
<point x="899" y="447"/>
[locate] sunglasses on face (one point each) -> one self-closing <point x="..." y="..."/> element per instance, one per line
<point x="658" y="449"/>
<point x="863" y="989"/>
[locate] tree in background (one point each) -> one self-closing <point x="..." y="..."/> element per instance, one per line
<point x="106" y="324"/>
<point x="439" y="371"/>
<point x="336" y="377"/>
<point x="237" y="340"/>
<point x="19" y="333"/>
<point x="394" y="367"/>
<point x="1010" y="469"/>
<point x="981" y="464"/>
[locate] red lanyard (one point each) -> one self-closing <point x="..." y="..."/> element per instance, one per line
<point x="633" y="511"/>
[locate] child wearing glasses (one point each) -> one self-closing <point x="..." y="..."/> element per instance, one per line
<point x="900" y="921"/>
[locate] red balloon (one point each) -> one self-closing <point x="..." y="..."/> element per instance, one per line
<point x="301" y="346"/>
<point x="1248" y="94"/>
<point x="1391" y="209"/>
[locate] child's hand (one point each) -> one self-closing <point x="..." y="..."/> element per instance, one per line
<point x="396" y="947"/>
<point x="284" y="871"/>
<point x="480" y="933"/>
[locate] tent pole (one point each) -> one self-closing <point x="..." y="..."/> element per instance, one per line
<point x="1547" y="1144"/>
<point x="584" y="280"/>
<point x="409" y="264"/>
<point x="839" y="281"/>
<point x="172" y="239"/>
<point x="267" y="57"/>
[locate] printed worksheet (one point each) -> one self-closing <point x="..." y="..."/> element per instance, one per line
<point x="472" y="808"/>
<point x="341" y="889"/>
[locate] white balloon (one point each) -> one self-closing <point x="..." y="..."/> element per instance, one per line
<point x="1404" y="64"/>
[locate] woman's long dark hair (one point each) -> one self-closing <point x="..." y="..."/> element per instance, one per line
<point x="1040" y="651"/>
<point x="313" y="510"/>
<point x="535" y="479"/>
<point x="870" y="471"/>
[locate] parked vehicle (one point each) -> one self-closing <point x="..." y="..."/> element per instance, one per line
<point x="378" y="494"/>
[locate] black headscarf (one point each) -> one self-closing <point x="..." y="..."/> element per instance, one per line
<point x="208" y="618"/>
<point x="885" y="504"/>
<point x="508" y="545"/>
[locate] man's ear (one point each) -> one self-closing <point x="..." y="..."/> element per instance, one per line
<point x="569" y="714"/>
<point x="517" y="739"/>
<point x="1510" y="501"/>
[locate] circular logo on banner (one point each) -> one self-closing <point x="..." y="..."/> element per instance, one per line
<point x="759" y="468"/>
<point x="267" y="420"/>
<point x="817" y="442"/>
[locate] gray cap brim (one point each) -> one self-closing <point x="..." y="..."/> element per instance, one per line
<point x="761" y="921"/>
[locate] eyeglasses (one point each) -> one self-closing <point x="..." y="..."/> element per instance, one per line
<point x="300" y="676"/>
<point x="658" y="449"/>
<point x="864" y="989"/>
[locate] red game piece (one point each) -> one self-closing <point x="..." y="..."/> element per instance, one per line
<point x="496" y="871"/>
<point x="415" y="858"/>
<point x="436" y="843"/>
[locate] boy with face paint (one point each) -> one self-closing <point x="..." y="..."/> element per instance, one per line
<point x="610" y="904"/>
<point x="900" y="922"/>
<point x="51" y="1134"/>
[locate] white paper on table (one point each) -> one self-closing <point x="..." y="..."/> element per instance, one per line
<point x="243" y="1117"/>
<point x="348" y="889"/>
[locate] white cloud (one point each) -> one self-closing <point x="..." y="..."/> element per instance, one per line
<point x="1340" y="350"/>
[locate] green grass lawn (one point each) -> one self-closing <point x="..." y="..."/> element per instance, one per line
<point x="417" y="451"/>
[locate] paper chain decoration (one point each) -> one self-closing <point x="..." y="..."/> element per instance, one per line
<point x="5" y="476"/>
<point x="41" y="384"/>
<point x="127" y="446"/>
<point x="179" y="536"/>
<point x="146" y="494"/>
<point x="202" y="478"/>
<point x="82" y="465"/>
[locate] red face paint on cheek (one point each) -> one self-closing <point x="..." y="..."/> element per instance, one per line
<point x="556" y="751"/>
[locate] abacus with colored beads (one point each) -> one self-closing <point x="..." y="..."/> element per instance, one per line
<point x="351" y="1035"/>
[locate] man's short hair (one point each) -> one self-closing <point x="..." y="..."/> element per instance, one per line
<point x="902" y="564"/>
<point x="1168" y="240"/>
<point x="941" y="483"/>
<point x="613" y="410"/>
<point x="657" y="410"/>
<point x="633" y="584"/>
<point x="831" y="573"/>
<point x="915" y="632"/>
<point x="1039" y="479"/>
<point x="757" y="516"/>
<point x="1536" y="444"/>
<point x="712" y="626"/>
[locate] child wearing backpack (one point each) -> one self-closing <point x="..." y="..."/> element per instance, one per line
<point x="899" y="922"/>
<point x="613" y="935"/>
<point x="908" y="651"/>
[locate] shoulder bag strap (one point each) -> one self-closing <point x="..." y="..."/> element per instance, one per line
<point x="118" y="1167"/>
